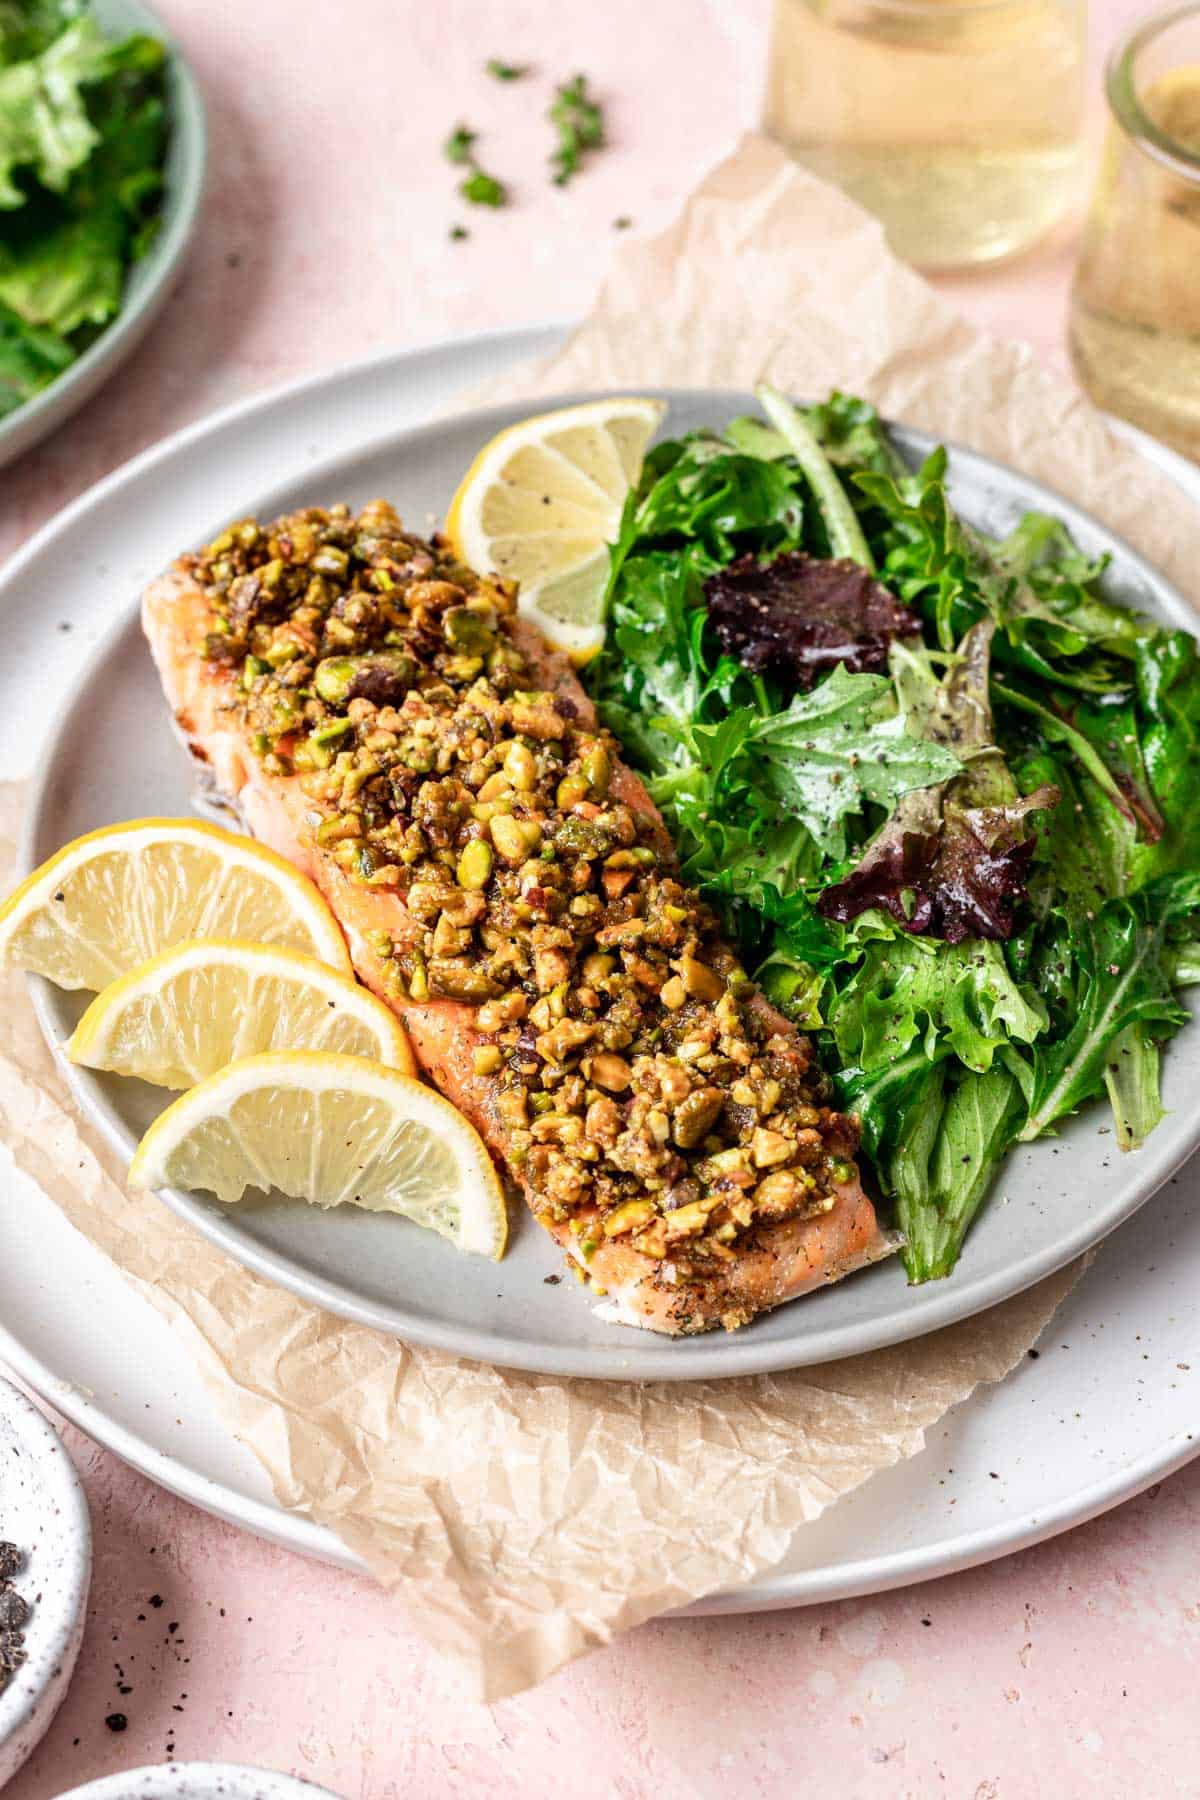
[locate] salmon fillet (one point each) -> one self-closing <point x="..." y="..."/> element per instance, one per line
<point x="382" y="717"/>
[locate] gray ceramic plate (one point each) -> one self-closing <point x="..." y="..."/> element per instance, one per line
<point x="150" y="280"/>
<point x="113" y="757"/>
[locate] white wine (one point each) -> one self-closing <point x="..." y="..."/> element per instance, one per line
<point x="1135" y="310"/>
<point x="956" y="124"/>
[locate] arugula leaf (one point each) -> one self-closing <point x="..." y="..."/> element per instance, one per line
<point x="698" y="506"/>
<point x="1035" y="584"/>
<point x="845" y="533"/>
<point x="852" y="435"/>
<point x="1089" y="736"/>
<point x="1131" y="1079"/>
<point x="1168" y="731"/>
<point x="1083" y="848"/>
<point x="1118" y="976"/>
<point x="848" y="430"/>
<point x="975" y="1127"/>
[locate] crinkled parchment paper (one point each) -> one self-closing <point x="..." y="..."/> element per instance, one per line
<point x="527" y="1520"/>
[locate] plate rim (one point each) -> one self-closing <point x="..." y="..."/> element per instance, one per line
<point x="770" y="1593"/>
<point x="42" y="414"/>
<point x="677" y="1360"/>
<point x="301" y="1534"/>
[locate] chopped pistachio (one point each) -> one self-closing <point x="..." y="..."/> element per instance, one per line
<point x="475" y="864"/>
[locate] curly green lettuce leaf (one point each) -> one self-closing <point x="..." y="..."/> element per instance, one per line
<point x="956" y="998"/>
<point x="27" y="27"/>
<point x="829" y="753"/>
<point x="757" y="799"/>
<point x="63" y="259"/>
<point x="699" y="505"/>
<point x="30" y="359"/>
<point x="700" y="495"/>
<point x="654" y="667"/>
<point x="45" y="130"/>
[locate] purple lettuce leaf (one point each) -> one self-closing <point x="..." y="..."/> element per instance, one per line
<point x="796" y="618"/>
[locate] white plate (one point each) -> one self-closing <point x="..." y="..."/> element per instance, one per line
<point x="112" y="755"/>
<point x="150" y="280"/>
<point x="1093" y="1424"/>
<point x="44" y="1513"/>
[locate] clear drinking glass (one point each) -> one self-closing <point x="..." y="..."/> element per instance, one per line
<point x="956" y="122"/>
<point x="1135" y="307"/>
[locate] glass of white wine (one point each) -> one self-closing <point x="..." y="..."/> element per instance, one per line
<point x="1135" y="307"/>
<point x="957" y="122"/>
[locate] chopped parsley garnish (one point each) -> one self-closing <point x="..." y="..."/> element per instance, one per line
<point x="478" y="188"/>
<point x="458" y="233"/>
<point x="458" y="146"/>
<point x="483" y="190"/>
<point x="579" y="122"/>
<point x="622" y="223"/>
<point x="505" y="71"/>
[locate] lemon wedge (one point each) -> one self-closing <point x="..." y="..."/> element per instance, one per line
<point x="185" y="1014"/>
<point x="541" y="503"/>
<point x="333" y="1130"/>
<point x="110" y="900"/>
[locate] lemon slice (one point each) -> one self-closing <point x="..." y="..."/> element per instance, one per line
<point x="112" y="899"/>
<point x="334" y="1130"/>
<point x="185" y="1014"/>
<point x="541" y="503"/>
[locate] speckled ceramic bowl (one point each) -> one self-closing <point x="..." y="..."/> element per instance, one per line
<point x="43" y="1512"/>
<point x="150" y="280"/>
<point x="199" y="1781"/>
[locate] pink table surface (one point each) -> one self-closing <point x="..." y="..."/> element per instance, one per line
<point x="1065" y="1670"/>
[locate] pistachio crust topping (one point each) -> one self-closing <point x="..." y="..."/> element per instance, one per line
<point x="647" y="1094"/>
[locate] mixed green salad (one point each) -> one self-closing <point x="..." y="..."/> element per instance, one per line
<point x="83" y="134"/>
<point x="942" y="789"/>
